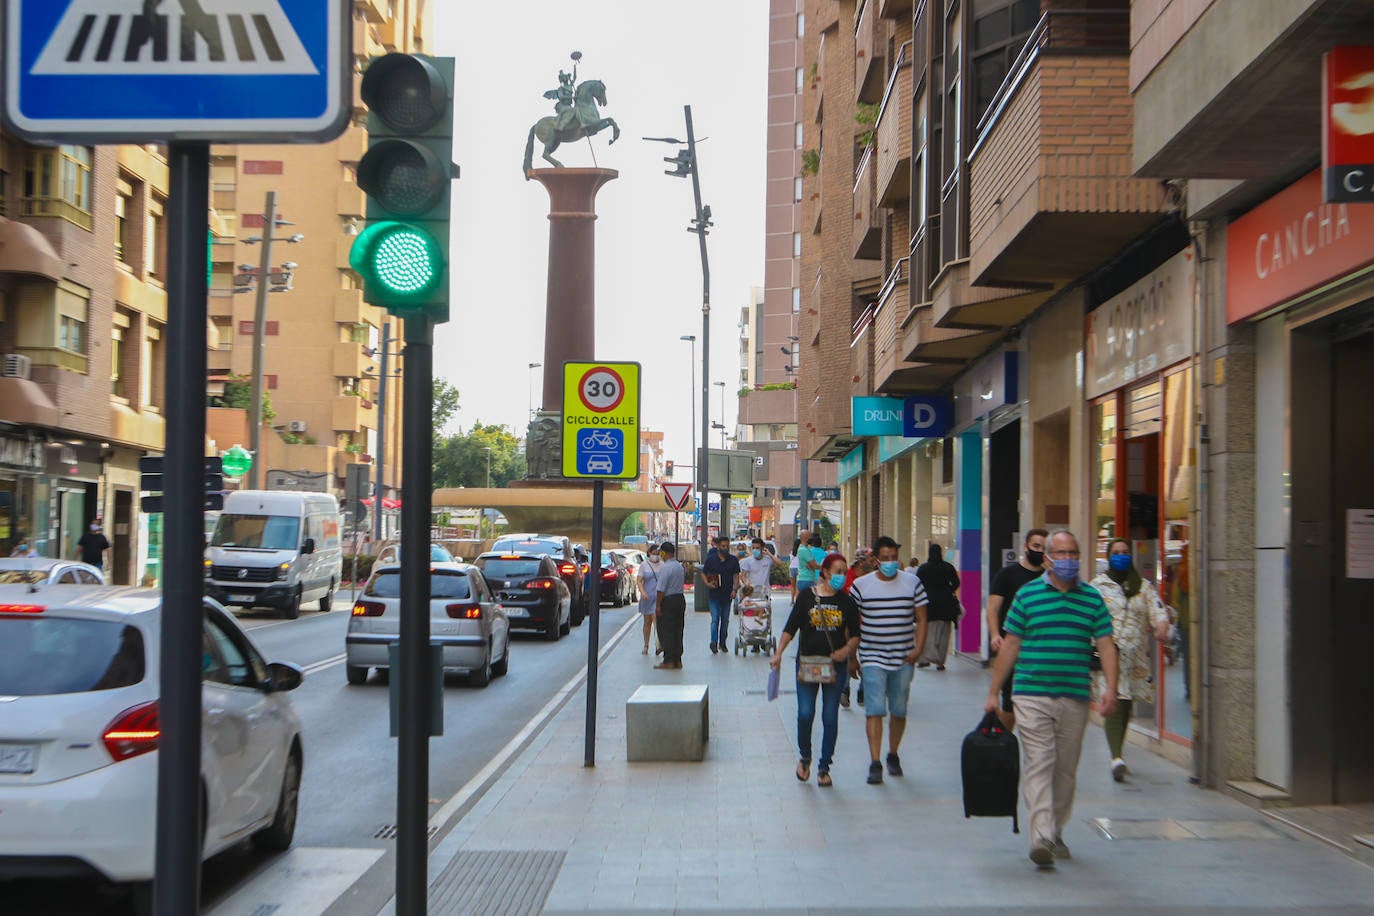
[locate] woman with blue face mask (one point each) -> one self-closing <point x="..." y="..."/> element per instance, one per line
<point x="824" y="621"/>
<point x="1137" y="614"/>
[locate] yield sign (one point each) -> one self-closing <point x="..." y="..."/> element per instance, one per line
<point x="677" y="494"/>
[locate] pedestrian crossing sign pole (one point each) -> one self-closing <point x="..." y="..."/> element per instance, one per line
<point x="158" y="71"/>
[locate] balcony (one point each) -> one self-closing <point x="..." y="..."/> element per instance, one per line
<point x="893" y="134"/>
<point x="350" y="361"/>
<point x="342" y="247"/>
<point x="893" y="374"/>
<point x="777" y="405"/>
<point x="894" y="9"/>
<point x="350" y="199"/>
<point x="867" y="238"/>
<point x="348" y="413"/>
<point x="352" y="144"/>
<point x="374" y="10"/>
<point x="1050" y="171"/>
<point x="957" y="303"/>
<point x="870" y="43"/>
<point x="348" y="306"/>
<point x="861" y="353"/>
<point x="222" y="251"/>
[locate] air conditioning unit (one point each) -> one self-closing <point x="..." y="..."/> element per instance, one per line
<point x="296" y="426"/>
<point x="17" y="365"/>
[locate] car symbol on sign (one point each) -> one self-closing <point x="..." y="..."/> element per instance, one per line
<point x="599" y="464"/>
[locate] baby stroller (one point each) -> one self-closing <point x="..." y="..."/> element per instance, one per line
<point x="755" y="625"/>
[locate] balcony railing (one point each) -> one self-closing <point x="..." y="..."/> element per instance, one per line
<point x="56" y="206"/>
<point x="864" y="161"/>
<point x="902" y="54"/>
<point x="890" y="313"/>
<point x="1076" y="32"/>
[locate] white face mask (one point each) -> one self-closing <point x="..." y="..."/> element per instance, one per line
<point x="655" y="559"/>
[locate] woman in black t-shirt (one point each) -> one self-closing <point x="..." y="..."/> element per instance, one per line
<point x="824" y="621"/>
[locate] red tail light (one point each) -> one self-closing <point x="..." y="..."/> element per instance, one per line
<point x="464" y="611"/>
<point x="608" y="573"/>
<point x="133" y="732"/>
<point x="369" y="609"/>
<point x="542" y="583"/>
<point x="566" y="569"/>
<point x="585" y="567"/>
<point x="22" y="609"/>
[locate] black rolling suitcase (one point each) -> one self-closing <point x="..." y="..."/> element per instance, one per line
<point x="991" y="763"/>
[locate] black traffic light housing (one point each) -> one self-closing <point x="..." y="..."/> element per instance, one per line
<point x="682" y="162"/>
<point x="407" y="174"/>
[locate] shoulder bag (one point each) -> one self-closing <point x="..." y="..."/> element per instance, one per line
<point x="816" y="669"/>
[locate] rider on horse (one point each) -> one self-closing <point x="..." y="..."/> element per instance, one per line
<point x="563" y="106"/>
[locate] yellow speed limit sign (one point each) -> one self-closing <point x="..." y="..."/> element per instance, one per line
<point x="601" y="420"/>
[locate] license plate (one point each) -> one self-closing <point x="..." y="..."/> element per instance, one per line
<point x="244" y="598"/>
<point x="517" y="612"/>
<point x="18" y="758"/>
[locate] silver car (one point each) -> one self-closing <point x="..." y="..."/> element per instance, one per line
<point x="45" y="571"/>
<point x="465" y="620"/>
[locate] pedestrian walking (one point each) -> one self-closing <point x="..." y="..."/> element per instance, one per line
<point x="941" y="582"/>
<point x="808" y="560"/>
<point x="721" y="570"/>
<point x="825" y="623"/>
<point x="892" y="634"/>
<point x="1052" y="627"/>
<point x="793" y="566"/>
<point x="864" y="563"/>
<point x="671" y="606"/>
<point x="756" y="572"/>
<point x="1005" y="585"/>
<point x="1137" y="613"/>
<point x="93" y="545"/>
<point x="648" y="592"/>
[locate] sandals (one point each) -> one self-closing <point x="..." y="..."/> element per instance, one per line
<point x="803" y="770"/>
<point x="823" y="779"/>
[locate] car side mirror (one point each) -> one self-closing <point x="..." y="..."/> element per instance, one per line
<point x="283" y="677"/>
<point x="308" y="546"/>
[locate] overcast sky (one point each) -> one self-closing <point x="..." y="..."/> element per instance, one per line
<point x="653" y="58"/>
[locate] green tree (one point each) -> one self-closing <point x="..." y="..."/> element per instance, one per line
<point x="445" y="406"/>
<point x="238" y="393"/>
<point x="461" y="460"/>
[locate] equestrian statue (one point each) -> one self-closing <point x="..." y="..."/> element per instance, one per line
<point x="575" y="116"/>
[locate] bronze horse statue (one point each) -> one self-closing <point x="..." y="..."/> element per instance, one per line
<point x="588" y="121"/>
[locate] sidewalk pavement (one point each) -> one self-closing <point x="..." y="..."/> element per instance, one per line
<point x="738" y="832"/>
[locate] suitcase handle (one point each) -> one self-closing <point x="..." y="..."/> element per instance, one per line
<point x="991" y="724"/>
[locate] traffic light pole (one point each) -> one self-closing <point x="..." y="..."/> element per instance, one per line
<point x="412" y="749"/>
<point x="269" y="222"/>
<point x="700" y="226"/>
<point x="176" y="889"/>
<point x="380" y="459"/>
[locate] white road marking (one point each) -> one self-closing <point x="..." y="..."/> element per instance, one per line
<point x="478" y="783"/>
<point x="304" y="882"/>
<point x="324" y="663"/>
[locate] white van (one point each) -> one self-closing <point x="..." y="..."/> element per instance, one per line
<point x="277" y="548"/>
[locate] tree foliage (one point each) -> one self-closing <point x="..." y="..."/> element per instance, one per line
<point x="238" y="393"/>
<point x="461" y="460"/>
<point x="445" y="405"/>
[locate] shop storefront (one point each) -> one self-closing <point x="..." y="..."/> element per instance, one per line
<point x="1140" y="385"/>
<point x="1300" y="292"/>
<point x="24" y="495"/>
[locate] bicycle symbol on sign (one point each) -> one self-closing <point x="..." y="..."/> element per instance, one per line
<point x="600" y="440"/>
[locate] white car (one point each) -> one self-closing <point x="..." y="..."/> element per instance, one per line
<point x="79" y="735"/>
<point x="464" y="618"/>
<point x="46" y="571"/>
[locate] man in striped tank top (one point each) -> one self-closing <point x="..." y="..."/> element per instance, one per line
<point x="1052" y="627"/>
<point x="892" y="633"/>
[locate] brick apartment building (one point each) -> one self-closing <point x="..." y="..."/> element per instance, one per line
<point x="1096" y="229"/>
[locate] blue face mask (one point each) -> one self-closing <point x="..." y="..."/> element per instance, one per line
<point x="890" y="568"/>
<point x="758" y="554"/>
<point x="1119" y="561"/>
<point x="1066" y="570"/>
<point x="837" y="581"/>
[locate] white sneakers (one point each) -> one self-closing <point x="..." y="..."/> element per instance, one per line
<point x="1119" y="770"/>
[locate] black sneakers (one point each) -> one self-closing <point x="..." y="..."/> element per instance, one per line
<point x="894" y="765"/>
<point x="875" y="773"/>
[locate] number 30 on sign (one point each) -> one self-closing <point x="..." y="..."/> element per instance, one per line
<point x="601" y="420"/>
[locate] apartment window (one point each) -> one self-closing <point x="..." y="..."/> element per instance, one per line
<point x="800" y="80"/>
<point x="73" y="309"/>
<point x="796" y="244"/>
<point x="797" y="190"/>
<point x="71" y="335"/>
<point x="224" y="334"/>
<point x="799" y="135"/>
<point x="796" y="299"/>
<point x="151" y="381"/>
<point x="57" y="182"/>
<point x="124" y="208"/>
<point x="155" y="238"/>
<point x="1000" y="29"/>
<point x="801" y="25"/>
<point x="117" y="363"/>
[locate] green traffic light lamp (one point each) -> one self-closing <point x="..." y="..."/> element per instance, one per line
<point x="401" y="264"/>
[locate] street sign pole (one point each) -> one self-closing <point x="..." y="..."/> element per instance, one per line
<point x="176" y="889"/>
<point x="594" y="622"/>
<point x="412" y="747"/>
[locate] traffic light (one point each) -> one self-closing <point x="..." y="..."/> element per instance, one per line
<point x="357" y="487"/>
<point x="668" y="469"/>
<point x="407" y="172"/>
<point x="150" y="481"/>
<point x="682" y="164"/>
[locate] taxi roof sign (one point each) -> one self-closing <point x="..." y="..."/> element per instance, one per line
<point x="601" y="420"/>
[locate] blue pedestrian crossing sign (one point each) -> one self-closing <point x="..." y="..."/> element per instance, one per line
<point x="144" y="71"/>
<point x="601" y="420"/>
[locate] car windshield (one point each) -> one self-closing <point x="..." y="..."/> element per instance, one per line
<point x="257" y="532"/>
<point x="43" y="656"/>
<point x="530" y="545"/>
<point x="607" y="559"/>
<point x="442" y="584"/>
<point x="23" y="576"/>
<point x="509" y="568"/>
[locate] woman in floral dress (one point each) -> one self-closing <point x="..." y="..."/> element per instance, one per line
<point x="1136" y="611"/>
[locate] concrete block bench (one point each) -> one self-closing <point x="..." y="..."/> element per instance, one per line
<point x="668" y="722"/>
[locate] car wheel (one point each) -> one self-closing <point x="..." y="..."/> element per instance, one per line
<point x="356" y="674"/>
<point x="481" y="677"/>
<point x="499" y="669"/>
<point x="566" y="628"/>
<point x="277" y="836"/>
<point x="327" y="602"/>
<point x="293" y="605"/>
<point x="554" y="630"/>
<point x="576" y="615"/>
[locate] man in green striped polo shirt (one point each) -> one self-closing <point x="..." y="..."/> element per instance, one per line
<point x="1051" y="629"/>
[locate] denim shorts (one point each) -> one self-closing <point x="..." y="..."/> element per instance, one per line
<point x="886" y="691"/>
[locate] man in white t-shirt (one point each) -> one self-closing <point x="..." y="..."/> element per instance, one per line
<point x="892" y="633"/>
<point x="757" y="567"/>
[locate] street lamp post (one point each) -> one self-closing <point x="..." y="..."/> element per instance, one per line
<point x="270" y="221"/>
<point x="380" y="459"/>
<point x="721" y="424"/>
<point x="696" y="476"/>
